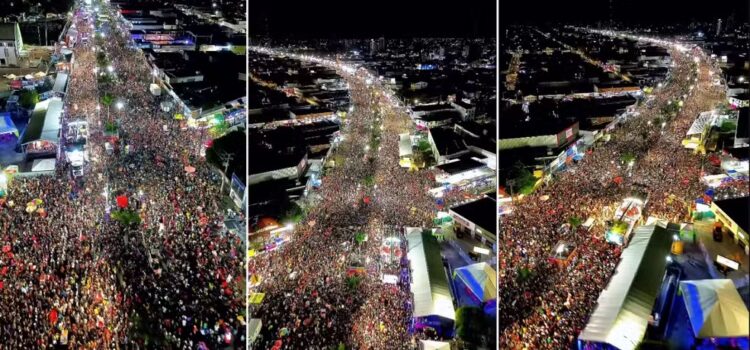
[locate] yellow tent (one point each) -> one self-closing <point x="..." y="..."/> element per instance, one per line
<point x="255" y="298"/>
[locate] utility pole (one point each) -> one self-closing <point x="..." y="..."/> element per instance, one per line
<point x="225" y="158"/>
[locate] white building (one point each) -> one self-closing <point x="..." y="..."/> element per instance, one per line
<point x="11" y="44"/>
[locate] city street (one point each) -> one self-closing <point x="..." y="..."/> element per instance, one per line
<point x="547" y="309"/>
<point x="309" y="301"/>
<point x="133" y="252"/>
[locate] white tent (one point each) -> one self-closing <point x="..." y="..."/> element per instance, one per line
<point x="430" y="286"/>
<point x="624" y="307"/>
<point x="700" y="123"/>
<point x="715" y="308"/>
<point x="404" y="145"/>
<point x="434" y="345"/>
<point x="61" y="83"/>
<point x="43" y="165"/>
<point x="253" y="329"/>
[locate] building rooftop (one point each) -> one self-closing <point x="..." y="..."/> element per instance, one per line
<point x="441" y="115"/>
<point x="447" y="141"/>
<point x="431" y="108"/>
<point x="265" y="159"/>
<point x="482" y="212"/>
<point x="463" y="164"/>
<point x="736" y="209"/>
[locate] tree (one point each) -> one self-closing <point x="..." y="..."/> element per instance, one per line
<point x="574" y="222"/>
<point x="294" y="213"/>
<point x="627" y="157"/>
<point x="470" y="324"/>
<point x="353" y="281"/>
<point x="360" y="237"/>
<point x="127" y="218"/>
<point x="28" y="98"/>
<point x="231" y="143"/>
<point x="369" y="181"/>
<point x="219" y="129"/>
<point x="523" y="180"/>
<point x="658" y="120"/>
<point x="110" y="127"/>
<point x="523" y="274"/>
<point x="107" y="100"/>
<point x="728" y="126"/>
<point x="424" y="145"/>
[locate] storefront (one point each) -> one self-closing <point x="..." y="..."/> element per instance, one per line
<point x="733" y="214"/>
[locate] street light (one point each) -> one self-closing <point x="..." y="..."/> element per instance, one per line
<point x="119" y="105"/>
<point x="110" y="69"/>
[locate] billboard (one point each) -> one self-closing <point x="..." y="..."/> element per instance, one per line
<point x="566" y="136"/>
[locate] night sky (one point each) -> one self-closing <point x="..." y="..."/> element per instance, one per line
<point x="366" y="19"/>
<point x="626" y="11"/>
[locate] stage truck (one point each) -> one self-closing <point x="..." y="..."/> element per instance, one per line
<point x="626" y="216"/>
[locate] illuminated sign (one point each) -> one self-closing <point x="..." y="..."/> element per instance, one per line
<point x="158" y="37"/>
<point x="727" y="262"/>
<point x="564" y="136"/>
<point x="481" y="251"/>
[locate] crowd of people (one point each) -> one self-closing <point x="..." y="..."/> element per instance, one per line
<point x="73" y="275"/>
<point x="310" y="301"/>
<point x="544" y="306"/>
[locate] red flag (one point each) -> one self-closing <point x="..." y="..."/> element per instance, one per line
<point x="122" y="201"/>
<point x="52" y="316"/>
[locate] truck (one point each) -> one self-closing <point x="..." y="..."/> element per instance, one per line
<point x="626" y="216"/>
<point x="76" y="162"/>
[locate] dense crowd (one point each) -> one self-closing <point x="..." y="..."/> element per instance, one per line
<point x="544" y="306"/>
<point x="309" y="300"/>
<point x="71" y="275"/>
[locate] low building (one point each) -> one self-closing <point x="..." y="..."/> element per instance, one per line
<point x="446" y="144"/>
<point x="437" y="119"/>
<point x="733" y="214"/>
<point x="270" y="166"/>
<point x="11" y="44"/>
<point x="311" y="114"/>
<point x="479" y="218"/>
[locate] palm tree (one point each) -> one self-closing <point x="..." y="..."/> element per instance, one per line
<point x="574" y="222"/>
<point x="107" y="100"/>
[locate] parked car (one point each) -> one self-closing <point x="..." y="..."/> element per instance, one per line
<point x="718" y="234"/>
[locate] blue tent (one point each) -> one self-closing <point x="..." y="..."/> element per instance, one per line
<point x="480" y="278"/>
<point x="6" y="125"/>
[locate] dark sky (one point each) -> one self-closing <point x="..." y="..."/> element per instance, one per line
<point x="633" y="11"/>
<point x="389" y="18"/>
